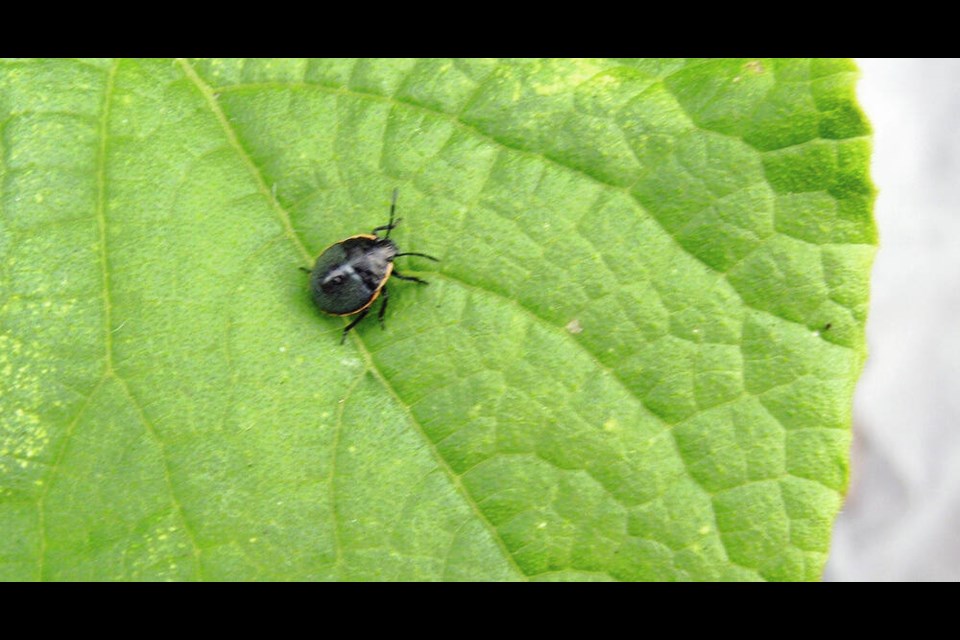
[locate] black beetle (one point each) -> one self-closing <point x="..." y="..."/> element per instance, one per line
<point x="349" y="275"/>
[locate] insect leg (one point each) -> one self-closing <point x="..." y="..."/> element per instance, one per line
<point x="386" y="227"/>
<point x="422" y="255"/>
<point x="397" y="275"/>
<point x="360" y="316"/>
<point x="393" y="207"/>
<point x="383" y="306"/>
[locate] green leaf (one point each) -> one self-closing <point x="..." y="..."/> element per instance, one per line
<point x="635" y="360"/>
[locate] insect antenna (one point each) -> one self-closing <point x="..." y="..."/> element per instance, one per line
<point x="393" y="208"/>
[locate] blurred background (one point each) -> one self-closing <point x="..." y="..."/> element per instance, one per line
<point x="901" y="520"/>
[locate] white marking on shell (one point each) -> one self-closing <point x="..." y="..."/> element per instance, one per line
<point x="346" y="269"/>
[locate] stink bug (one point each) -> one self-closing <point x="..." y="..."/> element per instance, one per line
<point x="349" y="275"/>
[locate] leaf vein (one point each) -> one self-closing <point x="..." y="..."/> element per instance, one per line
<point x="110" y="369"/>
<point x="441" y="461"/>
<point x="174" y="501"/>
<point x="331" y="478"/>
<point x="51" y="474"/>
<point x="244" y="156"/>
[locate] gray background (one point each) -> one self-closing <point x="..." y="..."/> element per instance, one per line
<point x="901" y="520"/>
